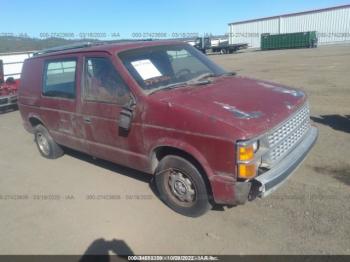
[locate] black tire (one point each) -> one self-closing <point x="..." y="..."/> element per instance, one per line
<point x="174" y="172"/>
<point x="223" y="51"/>
<point x="45" y="143"/>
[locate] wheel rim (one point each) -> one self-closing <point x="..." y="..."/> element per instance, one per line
<point x="43" y="143"/>
<point x="181" y="188"/>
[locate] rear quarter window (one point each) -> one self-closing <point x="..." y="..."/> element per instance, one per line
<point x="60" y="78"/>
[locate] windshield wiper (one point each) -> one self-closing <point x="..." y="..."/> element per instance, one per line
<point x="167" y="87"/>
<point x="195" y="81"/>
<point x="201" y="77"/>
<point x="229" y="74"/>
<point x="207" y="75"/>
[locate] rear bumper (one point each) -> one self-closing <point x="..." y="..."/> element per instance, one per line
<point x="228" y="191"/>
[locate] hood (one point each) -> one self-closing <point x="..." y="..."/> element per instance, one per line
<point x="251" y="105"/>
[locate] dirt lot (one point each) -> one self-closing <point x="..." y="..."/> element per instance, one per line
<point x="308" y="215"/>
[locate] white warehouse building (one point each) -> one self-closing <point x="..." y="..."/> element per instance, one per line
<point x="331" y="24"/>
<point x="13" y="62"/>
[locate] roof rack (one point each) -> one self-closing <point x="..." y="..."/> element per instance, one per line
<point x="65" y="47"/>
<point x="82" y="45"/>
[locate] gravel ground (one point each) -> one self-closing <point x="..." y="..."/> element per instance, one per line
<point x="75" y="204"/>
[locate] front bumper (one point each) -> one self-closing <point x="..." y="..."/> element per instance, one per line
<point x="8" y="101"/>
<point x="230" y="192"/>
<point x="272" y="179"/>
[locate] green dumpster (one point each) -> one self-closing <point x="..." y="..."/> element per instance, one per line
<point x="291" y="40"/>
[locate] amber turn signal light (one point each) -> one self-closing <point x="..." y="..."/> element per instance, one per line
<point x="246" y="162"/>
<point x="247" y="170"/>
<point x="246" y="153"/>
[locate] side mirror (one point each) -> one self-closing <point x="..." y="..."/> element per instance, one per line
<point x="126" y="116"/>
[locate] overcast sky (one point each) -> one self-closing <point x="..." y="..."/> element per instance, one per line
<point x="135" y="18"/>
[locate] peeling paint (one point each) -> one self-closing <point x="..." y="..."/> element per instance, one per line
<point x="295" y="93"/>
<point x="239" y="113"/>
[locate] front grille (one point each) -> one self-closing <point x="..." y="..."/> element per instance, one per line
<point x="286" y="136"/>
<point x="3" y="101"/>
<point x="13" y="99"/>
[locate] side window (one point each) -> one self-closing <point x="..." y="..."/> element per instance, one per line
<point x="59" y="78"/>
<point x="102" y="83"/>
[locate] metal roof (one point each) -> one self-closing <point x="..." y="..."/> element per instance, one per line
<point x="292" y="14"/>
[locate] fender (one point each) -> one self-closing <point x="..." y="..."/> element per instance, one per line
<point x="221" y="184"/>
<point x="189" y="149"/>
<point x="35" y="116"/>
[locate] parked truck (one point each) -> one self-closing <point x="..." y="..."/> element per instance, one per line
<point x="205" y="44"/>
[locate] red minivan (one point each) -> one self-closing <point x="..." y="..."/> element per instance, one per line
<point x="162" y="107"/>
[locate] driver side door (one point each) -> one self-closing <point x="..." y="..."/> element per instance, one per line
<point x="103" y="95"/>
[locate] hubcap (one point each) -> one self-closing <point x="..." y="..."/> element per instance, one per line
<point x="181" y="187"/>
<point x="43" y="143"/>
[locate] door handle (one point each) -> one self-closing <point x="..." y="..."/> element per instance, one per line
<point x="87" y="120"/>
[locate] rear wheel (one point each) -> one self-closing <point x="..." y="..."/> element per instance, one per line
<point x="182" y="187"/>
<point x="223" y="51"/>
<point x="45" y="143"/>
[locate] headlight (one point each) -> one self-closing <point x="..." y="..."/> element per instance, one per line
<point x="246" y="159"/>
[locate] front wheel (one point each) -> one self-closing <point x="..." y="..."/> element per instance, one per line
<point x="45" y="143"/>
<point x="182" y="187"/>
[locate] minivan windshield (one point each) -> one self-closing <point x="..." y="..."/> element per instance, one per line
<point x="169" y="66"/>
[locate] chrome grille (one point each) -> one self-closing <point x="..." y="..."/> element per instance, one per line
<point x="3" y="101"/>
<point x="283" y="139"/>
